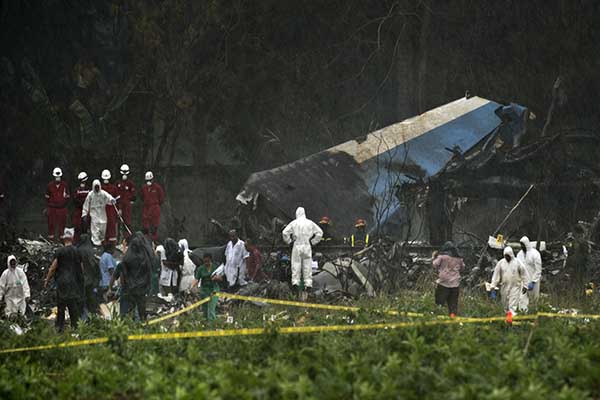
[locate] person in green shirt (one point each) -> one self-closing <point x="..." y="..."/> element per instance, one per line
<point x="209" y="284"/>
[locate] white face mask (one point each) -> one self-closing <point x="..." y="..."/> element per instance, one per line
<point x="57" y="178"/>
<point x="124" y="177"/>
<point x="82" y="184"/>
<point x="148" y="183"/>
<point x="106" y="181"/>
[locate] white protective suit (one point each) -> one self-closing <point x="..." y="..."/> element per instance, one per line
<point x="532" y="260"/>
<point x="95" y="205"/>
<point x="303" y="232"/>
<point x="188" y="268"/>
<point x="168" y="277"/>
<point x="14" y="288"/>
<point x="235" y="270"/>
<point x="512" y="277"/>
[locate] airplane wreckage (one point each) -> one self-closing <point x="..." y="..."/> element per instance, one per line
<point x="457" y="172"/>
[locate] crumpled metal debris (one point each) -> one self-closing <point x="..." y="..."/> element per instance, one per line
<point x="35" y="247"/>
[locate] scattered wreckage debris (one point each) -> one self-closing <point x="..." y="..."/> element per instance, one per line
<point x="386" y="266"/>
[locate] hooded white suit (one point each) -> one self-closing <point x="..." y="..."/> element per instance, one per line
<point x="303" y="232"/>
<point x="512" y="277"/>
<point x="95" y="205"/>
<point x="234" y="262"/>
<point x="14" y="288"/>
<point x="532" y="260"/>
<point x="188" y="268"/>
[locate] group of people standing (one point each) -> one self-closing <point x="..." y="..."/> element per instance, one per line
<point x="101" y="206"/>
<point x="83" y="281"/>
<point x="517" y="278"/>
<point x="359" y="238"/>
<point x="172" y="268"/>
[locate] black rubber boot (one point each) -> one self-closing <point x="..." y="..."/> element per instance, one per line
<point x="295" y="290"/>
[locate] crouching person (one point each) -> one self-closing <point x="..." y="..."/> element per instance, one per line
<point x="14" y="288"/>
<point x="208" y="278"/>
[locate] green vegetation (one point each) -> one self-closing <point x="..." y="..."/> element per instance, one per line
<point x="550" y="359"/>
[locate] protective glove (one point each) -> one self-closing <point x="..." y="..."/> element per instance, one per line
<point x="531" y="285"/>
<point x="493" y="295"/>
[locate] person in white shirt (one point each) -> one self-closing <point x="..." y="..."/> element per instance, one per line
<point x="234" y="260"/>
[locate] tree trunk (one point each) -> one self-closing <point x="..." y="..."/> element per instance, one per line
<point x="404" y="79"/>
<point x="423" y="51"/>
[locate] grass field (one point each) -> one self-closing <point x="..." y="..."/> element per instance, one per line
<point x="547" y="359"/>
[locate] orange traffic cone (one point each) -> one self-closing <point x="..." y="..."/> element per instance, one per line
<point x="509" y="317"/>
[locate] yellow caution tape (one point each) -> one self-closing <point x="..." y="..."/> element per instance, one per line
<point x="574" y="316"/>
<point x="260" y="331"/>
<point x="176" y="313"/>
<point x="297" y="329"/>
<point x="75" y="343"/>
<point x="309" y="305"/>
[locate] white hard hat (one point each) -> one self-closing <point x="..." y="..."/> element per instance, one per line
<point x="124" y="169"/>
<point x="149" y="176"/>
<point x="105" y="174"/>
<point x="68" y="233"/>
<point x="82" y="176"/>
<point x="57" y="172"/>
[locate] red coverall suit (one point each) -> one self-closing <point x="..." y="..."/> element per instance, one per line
<point x="57" y="197"/>
<point x="79" y="198"/>
<point x="111" y="214"/>
<point x="126" y="191"/>
<point x="153" y="196"/>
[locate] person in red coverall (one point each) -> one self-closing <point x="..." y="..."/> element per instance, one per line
<point x="111" y="211"/>
<point x="57" y="197"/>
<point x="125" y="196"/>
<point x="153" y="196"/>
<point x="79" y="198"/>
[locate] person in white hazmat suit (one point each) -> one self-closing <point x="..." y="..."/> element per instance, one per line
<point x="512" y="277"/>
<point x="303" y="232"/>
<point x="235" y="270"/>
<point x="167" y="281"/>
<point x="95" y="206"/>
<point x="14" y="288"/>
<point x="531" y="258"/>
<point x="188" y="269"/>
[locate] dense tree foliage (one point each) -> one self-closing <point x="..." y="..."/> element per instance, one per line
<point x="158" y="83"/>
